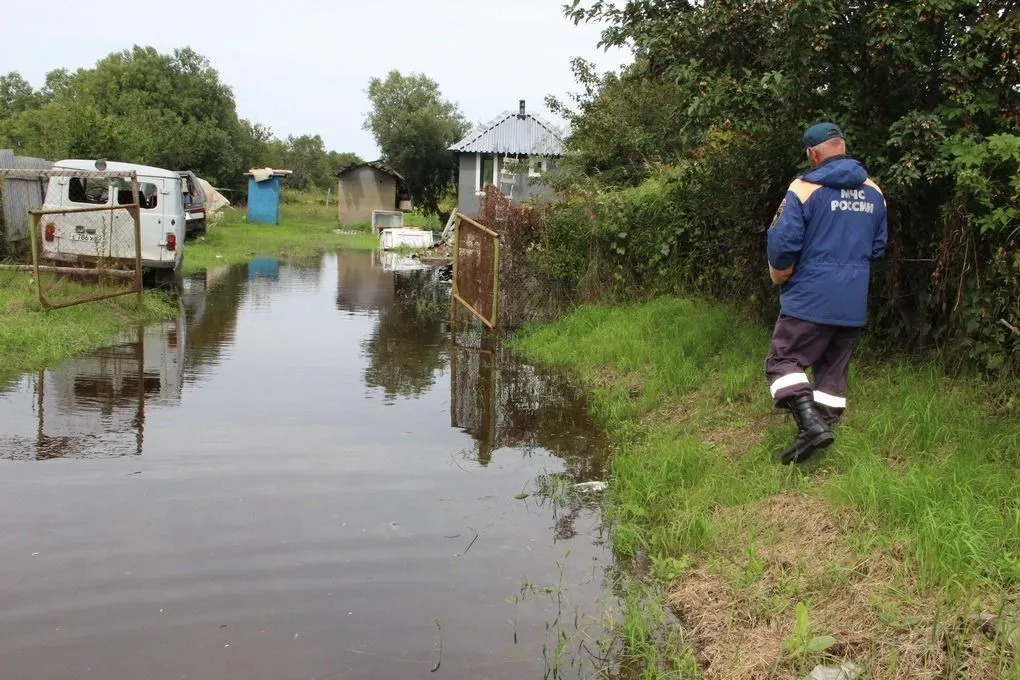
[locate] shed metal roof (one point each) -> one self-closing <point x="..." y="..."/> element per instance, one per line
<point x="513" y="133"/>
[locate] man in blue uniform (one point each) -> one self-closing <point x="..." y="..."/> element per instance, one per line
<point x="828" y="230"/>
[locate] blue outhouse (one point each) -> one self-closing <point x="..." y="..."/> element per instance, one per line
<point x="264" y="195"/>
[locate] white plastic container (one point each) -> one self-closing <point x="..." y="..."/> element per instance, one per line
<point x="407" y="238"/>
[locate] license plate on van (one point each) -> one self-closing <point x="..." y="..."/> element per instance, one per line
<point x="89" y="238"/>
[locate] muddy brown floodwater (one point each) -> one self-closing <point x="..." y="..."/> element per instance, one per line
<point x="300" y="477"/>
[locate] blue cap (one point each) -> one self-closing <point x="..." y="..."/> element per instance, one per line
<point x="821" y="132"/>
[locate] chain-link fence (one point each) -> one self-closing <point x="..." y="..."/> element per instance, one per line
<point x="502" y="402"/>
<point x="527" y="292"/>
<point x="86" y="240"/>
<point x="497" y="266"/>
<point x="476" y="269"/>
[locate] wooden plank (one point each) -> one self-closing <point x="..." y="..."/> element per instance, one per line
<point x="495" y="281"/>
<point x="490" y="232"/>
<point x="473" y="311"/>
<point x="448" y="229"/>
<point x="455" y="219"/>
<point x="77" y="271"/>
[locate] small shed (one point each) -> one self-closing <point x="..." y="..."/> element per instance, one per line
<point x="511" y="153"/>
<point x="264" y="186"/>
<point x="368" y="187"/>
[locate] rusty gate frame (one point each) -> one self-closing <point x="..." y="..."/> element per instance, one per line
<point x="455" y="296"/>
<point x="493" y="388"/>
<point x="133" y="208"/>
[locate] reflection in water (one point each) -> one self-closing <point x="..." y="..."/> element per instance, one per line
<point x="264" y="268"/>
<point x="407" y="348"/>
<point x="8" y="384"/>
<point x="282" y="523"/>
<point x="498" y="400"/>
<point x="362" y="284"/>
<point x="394" y="262"/>
<point x="94" y="406"/>
<point x="504" y="403"/>
<point x="211" y="300"/>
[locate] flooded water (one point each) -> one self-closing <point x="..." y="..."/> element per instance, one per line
<point x="300" y="477"/>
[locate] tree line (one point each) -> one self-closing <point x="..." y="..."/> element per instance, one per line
<point x="168" y="110"/>
<point x="677" y="163"/>
<point x="173" y="111"/>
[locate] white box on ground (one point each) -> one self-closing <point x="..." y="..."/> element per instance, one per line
<point x="409" y="238"/>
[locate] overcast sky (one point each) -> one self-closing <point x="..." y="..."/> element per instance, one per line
<point x="302" y="66"/>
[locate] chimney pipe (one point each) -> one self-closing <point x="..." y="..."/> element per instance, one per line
<point x="522" y="109"/>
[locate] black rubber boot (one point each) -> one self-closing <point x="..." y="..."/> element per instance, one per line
<point x="813" y="433"/>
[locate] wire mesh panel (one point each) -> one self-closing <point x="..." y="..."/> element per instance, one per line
<point x="86" y="245"/>
<point x="528" y="292"/>
<point x="476" y="269"/>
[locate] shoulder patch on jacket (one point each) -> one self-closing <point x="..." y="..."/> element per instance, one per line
<point x="803" y="189"/>
<point x="869" y="183"/>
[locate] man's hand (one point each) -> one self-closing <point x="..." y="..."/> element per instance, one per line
<point x="780" y="277"/>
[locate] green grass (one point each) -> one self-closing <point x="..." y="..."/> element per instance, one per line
<point x="306" y="230"/>
<point x="31" y="338"/>
<point x="416" y="219"/>
<point x="924" y="475"/>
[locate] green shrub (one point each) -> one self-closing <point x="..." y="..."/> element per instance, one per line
<point x="681" y="196"/>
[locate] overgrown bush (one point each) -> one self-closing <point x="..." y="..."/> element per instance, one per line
<point x="928" y="92"/>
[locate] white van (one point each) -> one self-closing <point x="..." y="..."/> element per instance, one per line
<point x="86" y="237"/>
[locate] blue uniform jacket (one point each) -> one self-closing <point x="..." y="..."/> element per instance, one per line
<point x="830" y="227"/>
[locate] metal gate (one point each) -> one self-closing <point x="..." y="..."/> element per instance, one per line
<point x="476" y="269"/>
<point x="80" y="242"/>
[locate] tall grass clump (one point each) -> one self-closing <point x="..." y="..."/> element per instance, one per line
<point x="922" y="482"/>
<point x="31" y="337"/>
<point x="927" y="460"/>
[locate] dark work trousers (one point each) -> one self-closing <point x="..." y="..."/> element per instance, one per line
<point x="798" y="345"/>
